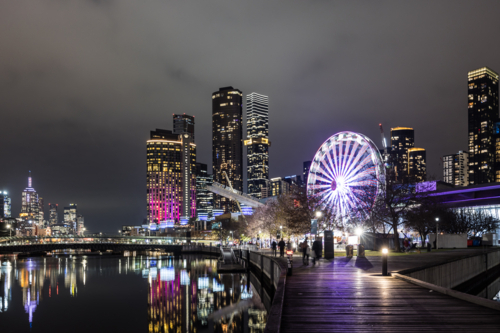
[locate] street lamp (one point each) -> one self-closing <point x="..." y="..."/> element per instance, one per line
<point x="437" y="232"/>
<point x="318" y="214"/>
<point x="10" y="230"/>
<point x="384" y="262"/>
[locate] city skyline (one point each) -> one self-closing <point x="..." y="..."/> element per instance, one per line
<point x="87" y="115"/>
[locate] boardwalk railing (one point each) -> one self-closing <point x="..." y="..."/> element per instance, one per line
<point x="444" y="276"/>
<point x="275" y="270"/>
<point x="454" y="272"/>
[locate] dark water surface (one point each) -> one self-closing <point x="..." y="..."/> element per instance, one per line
<point x="125" y="294"/>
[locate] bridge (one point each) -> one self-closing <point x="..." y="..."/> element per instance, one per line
<point x="234" y="195"/>
<point x="176" y="245"/>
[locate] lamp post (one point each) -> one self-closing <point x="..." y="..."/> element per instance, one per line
<point x="318" y="216"/>
<point x="437" y="232"/>
<point x="384" y="262"/>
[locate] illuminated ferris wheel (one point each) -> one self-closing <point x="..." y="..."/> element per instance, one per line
<point x="345" y="174"/>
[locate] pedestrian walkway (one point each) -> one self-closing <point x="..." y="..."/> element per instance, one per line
<point x="351" y="295"/>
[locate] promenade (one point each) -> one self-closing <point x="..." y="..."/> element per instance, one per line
<point x="351" y="295"/>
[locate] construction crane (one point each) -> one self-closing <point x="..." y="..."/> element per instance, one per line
<point x="384" y="143"/>
<point x="232" y="189"/>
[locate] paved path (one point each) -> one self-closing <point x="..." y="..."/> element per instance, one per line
<point x="350" y="295"/>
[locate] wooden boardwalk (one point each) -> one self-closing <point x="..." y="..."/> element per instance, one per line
<point x="352" y="296"/>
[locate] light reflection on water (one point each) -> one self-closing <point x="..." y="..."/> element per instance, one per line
<point x="128" y="294"/>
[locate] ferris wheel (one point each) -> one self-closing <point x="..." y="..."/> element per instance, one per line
<point x="345" y="174"/>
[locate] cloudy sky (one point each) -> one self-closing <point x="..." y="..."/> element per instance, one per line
<point x="83" y="82"/>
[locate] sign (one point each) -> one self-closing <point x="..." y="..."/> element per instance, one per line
<point x="314" y="226"/>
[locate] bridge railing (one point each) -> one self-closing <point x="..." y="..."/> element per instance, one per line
<point x="153" y="240"/>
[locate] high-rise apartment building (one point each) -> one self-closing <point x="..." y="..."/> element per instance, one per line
<point x="183" y="124"/>
<point x="305" y="171"/>
<point x="70" y="214"/>
<point x="278" y="186"/>
<point x="417" y="168"/>
<point x="257" y="143"/>
<point x="227" y="145"/>
<point x="5" y="205"/>
<point x="402" y="139"/>
<point x="80" y="224"/>
<point x="204" y="198"/>
<point x="456" y="168"/>
<point x="53" y="216"/>
<point x="170" y="177"/>
<point x="483" y="114"/>
<point x="30" y="205"/>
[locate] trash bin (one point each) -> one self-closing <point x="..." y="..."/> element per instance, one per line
<point x="349" y="251"/>
<point x="361" y="251"/>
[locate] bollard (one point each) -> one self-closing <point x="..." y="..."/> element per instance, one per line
<point x="349" y="251"/>
<point x="361" y="251"/>
<point x="384" y="262"/>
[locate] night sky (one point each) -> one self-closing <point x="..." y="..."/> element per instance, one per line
<point x="83" y="82"/>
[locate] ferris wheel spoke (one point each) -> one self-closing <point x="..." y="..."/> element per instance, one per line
<point x="361" y="176"/>
<point x="354" y="160"/>
<point x="329" y="174"/>
<point x="332" y="157"/>
<point x="362" y="166"/>
<point x="352" y="155"/>
<point x="321" y="179"/>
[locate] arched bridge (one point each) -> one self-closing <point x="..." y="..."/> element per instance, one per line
<point x="176" y="245"/>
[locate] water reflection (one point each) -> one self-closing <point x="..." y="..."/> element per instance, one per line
<point x="183" y="295"/>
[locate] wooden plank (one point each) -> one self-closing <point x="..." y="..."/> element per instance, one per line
<point x="343" y="296"/>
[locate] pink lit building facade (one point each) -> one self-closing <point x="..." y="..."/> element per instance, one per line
<point x="171" y="177"/>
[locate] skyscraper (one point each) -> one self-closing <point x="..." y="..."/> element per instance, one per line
<point x="417" y="167"/>
<point x="305" y="171"/>
<point x="6" y="205"/>
<point x="183" y="124"/>
<point x="278" y="186"/>
<point x="204" y="198"/>
<point x="257" y="143"/>
<point x="227" y="145"/>
<point x="80" y="225"/>
<point x="456" y="168"/>
<point x="402" y="139"/>
<point x="30" y="206"/>
<point x="53" y="216"/>
<point x="70" y="214"/>
<point x="483" y="113"/>
<point x="171" y="177"/>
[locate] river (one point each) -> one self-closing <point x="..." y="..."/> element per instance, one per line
<point x="125" y="294"/>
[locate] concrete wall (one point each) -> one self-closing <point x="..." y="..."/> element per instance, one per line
<point x="448" y="241"/>
<point x="453" y="273"/>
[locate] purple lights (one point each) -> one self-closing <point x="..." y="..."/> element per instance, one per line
<point x="345" y="174"/>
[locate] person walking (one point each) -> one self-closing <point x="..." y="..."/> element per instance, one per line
<point x="316" y="250"/>
<point x="273" y="246"/>
<point x="305" y="255"/>
<point x="281" y="244"/>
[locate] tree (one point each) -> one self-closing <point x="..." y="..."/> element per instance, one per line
<point x="422" y="217"/>
<point x="473" y="222"/>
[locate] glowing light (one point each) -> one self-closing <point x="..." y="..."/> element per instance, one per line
<point x="385" y="251"/>
<point x="346" y="174"/>
<point x="359" y="231"/>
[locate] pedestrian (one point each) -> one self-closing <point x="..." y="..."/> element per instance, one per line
<point x="273" y="245"/>
<point x="281" y="244"/>
<point x="316" y="250"/>
<point x="406" y="244"/>
<point x="305" y="255"/>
